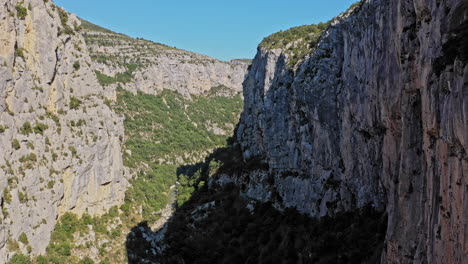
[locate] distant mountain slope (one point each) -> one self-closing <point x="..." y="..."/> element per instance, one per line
<point x="142" y="65"/>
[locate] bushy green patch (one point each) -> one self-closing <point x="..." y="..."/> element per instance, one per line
<point x="20" y="259"/>
<point x="23" y="198"/>
<point x="61" y="244"/>
<point x="168" y="125"/>
<point x="73" y="151"/>
<point x="151" y="190"/>
<point x="21" y="11"/>
<point x="26" y="129"/>
<point x="75" y="103"/>
<point x="23" y="238"/>
<point x="20" y="52"/>
<point x="39" y="128"/>
<point x="30" y="157"/>
<point x="66" y="29"/>
<point x="7" y="195"/>
<point x="124" y="77"/>
<point x="15" y="144"/>
<point x="63" y="16"/>
<point x="165" y="127"/>
<point x="281" y="39"/>
<point x="76" y="65"/>
<point x="86" y="260"/>
<point x="297" y="42"/>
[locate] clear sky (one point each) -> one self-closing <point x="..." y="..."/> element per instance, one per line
<point x="218" y="28"/>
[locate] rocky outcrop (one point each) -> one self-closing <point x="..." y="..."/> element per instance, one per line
<point x="376" y="115"/>
<point x="155" y="67"/>
<point x="60" y="143"/>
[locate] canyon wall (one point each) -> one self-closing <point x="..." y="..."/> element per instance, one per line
<point x="377" y="114"/>
<point x="155" y="66"/>
<point x="60" y="144"/>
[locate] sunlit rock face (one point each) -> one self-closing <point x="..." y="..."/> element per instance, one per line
<point x="159" y="67"/>
<point x="69" y="156"/>
<point x="376" y="115"/>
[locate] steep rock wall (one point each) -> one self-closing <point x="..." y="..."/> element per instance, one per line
<point x="376" y="115"/>
<point x="60" y="144"/>
<point x="158" y="66"/>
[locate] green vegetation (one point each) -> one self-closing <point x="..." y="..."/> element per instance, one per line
<point x="165" y="127"/>
<point x="147" y="51"/>
<point x="23" y="238"/>
<point x="73" y="151"/>
<point x="19" y="258"/>
<point x="297" y="42"/>
<point x="23" y="198"/>
<point x="20" y="52"/>
<point x="162" y="132"/>
<point x="63" y="16"/>
<point x="12" y="245"/>
<point x="21" y="11"/>
<point x="39" y="128"/>
<point x="7" y="195"/>
<point x="54" y="117"/>
<point x="76" y="65"/>
<point x="124" y="77"/>
<point x="86" y="260"/>
<point x="356" y="5"/>
<point x="26" y="129"/>
<point x="42" y="260"/>
<point x="168" y="125"/>
<point x="279" y="40"/>
<point x="62" y="245"/>
<point x="92" y="27"/>
<point x="15" y="144"/>
<point x="151" y="190"/>
<point x="75" y="103"/>
<point x="50" y="184"/>
<point x="30" y="157"/>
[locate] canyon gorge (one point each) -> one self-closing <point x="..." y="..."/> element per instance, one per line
<point x="342" y="142"/>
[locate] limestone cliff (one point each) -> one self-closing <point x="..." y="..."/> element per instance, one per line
<point x="60" y="143"/>
<point x="155" y="66"/>
<point x="377" y="114"/>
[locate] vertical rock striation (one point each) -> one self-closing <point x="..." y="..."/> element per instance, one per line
<point x="60" y="144"/>
<point x="376" y="115"/>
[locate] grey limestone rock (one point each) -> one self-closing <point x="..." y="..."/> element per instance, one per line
<point x="377" y="114"/>
<point x="60" y="144"/>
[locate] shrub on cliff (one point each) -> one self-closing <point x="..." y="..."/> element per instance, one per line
<point x="21" y="11"/>
<point x="19" y="258"/>
<point x="26" y="129"/>
<point x="74" y="103"/>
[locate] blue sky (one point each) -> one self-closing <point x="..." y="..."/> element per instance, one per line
<point x="221" y="29"/>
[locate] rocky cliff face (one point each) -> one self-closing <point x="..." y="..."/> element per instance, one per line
<point x="156" y="67"/>
<point x="60" y="144"/>
<point x="376" y="115"/>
